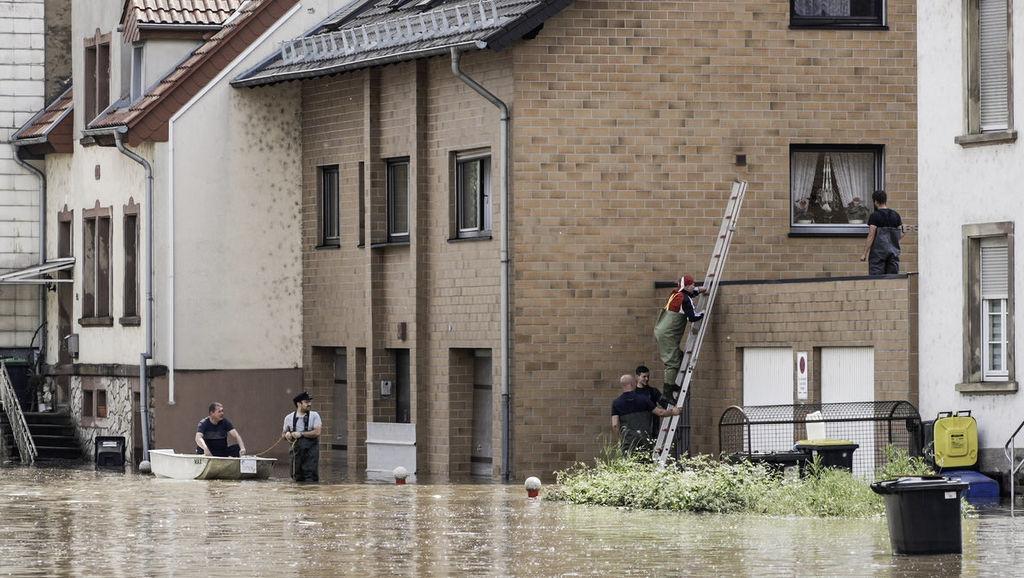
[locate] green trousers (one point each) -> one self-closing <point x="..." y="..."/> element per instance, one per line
<point x="668" y="331"/>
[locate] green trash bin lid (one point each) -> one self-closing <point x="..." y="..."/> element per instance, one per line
<point x="826" y="444"/>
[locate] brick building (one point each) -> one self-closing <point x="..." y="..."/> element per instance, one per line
<point x="628" y="122"/>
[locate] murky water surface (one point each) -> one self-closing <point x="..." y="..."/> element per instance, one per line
<point x="86" y="523"/>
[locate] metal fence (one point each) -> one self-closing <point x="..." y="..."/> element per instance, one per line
<point x="756" y="431"/>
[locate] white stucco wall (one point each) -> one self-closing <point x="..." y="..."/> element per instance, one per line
<point x="21" y="95"/>
<point x="961" y="186"/>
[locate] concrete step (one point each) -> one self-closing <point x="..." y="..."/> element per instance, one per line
<point x="46" y="453"/>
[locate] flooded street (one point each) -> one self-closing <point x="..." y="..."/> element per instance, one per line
<point x="81" y="522"/>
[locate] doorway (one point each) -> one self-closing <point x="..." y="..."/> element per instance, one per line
<point x="481" y="455"/>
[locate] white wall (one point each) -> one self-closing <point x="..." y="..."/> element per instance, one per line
<point x="960" y="186"/>
<point x="21" y="95"/>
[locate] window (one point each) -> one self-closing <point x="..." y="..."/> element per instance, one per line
<point x="831" y="186"/>
<point x="837" y="13"/>
<point x="96" y="267"/>
<point x="362" y="203"/>
<point x="131" y="264"/>
<point x="94" y="405"/>
<point x="330" y="234"/>
<point x="403" y="392"/>
<point x="137" y="72"/>
<point x="97" y="75"/>
<point x="473" y="195"/>
<point x="398" y="201"/>
<point x="88" y="403"/>
<point x="988" y="303"/>
<point x="988" y="96"/>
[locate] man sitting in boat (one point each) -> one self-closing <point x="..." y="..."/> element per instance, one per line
<point x="302" y="428"/>
<point x="215" y="434"/>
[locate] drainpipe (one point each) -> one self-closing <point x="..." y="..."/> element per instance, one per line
<point x="144" y="465"/>
<point x="506" y="350"/>
<point x="42" y="242"/>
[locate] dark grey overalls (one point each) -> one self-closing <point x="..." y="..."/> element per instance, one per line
<point x="305" y="454"/>
<point x="884" y="258"/>
<point x="635" y="432"/>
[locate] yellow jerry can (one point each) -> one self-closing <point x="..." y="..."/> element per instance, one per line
<point x="956" y="440"/>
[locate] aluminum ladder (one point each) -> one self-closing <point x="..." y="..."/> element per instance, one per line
<point x="695" y="334"/>
<point x="1010" y="451"/>
<point x="22" y="437"/>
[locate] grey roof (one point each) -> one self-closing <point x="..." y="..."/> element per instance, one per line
<point x="375" y="32"/>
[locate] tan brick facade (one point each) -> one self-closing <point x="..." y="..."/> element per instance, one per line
<point x="626" y="126"/>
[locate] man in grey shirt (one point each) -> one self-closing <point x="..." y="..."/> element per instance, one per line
<point x="302" y="428"/>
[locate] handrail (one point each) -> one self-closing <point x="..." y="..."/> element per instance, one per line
<point x="9" y="400"/>
<point x="1010" y="451"/>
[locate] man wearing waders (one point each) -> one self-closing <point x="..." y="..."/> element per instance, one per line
<point x="302" y="427"/>
<point x="882" y="249"/>
<point x="670" y="328"/>
<point x="633" y="417"/>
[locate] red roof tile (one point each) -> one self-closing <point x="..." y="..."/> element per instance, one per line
<point x="45" y="121"/>
<point x="143" y="13"/>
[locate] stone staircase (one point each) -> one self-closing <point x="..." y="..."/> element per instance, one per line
<point x="53" y="434"/>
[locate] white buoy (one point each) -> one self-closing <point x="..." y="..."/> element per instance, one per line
<point x="400" y="475"/>
<point x="532" y="487"/>
<point x="145" y="467"/>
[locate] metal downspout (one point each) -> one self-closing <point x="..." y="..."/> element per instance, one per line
<point x="144" y="465"/>
<point x="42" y="243"/>
<point x="506" y="350"/>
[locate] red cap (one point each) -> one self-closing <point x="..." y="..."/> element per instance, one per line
<point x="687" y="280"/>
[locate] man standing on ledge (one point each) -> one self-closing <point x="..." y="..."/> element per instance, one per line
<point x="885" y="228"/>
<point x="215" y="432"/>
<point x="302" y="427"/>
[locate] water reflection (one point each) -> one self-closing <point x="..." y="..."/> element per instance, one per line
<point x="60" y="522"/>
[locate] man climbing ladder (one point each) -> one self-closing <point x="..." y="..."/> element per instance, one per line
<point x="690" y="343"/>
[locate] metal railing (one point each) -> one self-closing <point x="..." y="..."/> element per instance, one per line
<point x="9" y="400"/>
<point x="444" y="21"/>
<point x="1010" y="451"/>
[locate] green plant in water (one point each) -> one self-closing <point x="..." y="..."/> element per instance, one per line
<point x="899" y="463"/>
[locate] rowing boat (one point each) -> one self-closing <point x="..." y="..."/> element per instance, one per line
<point x="168" y="464"/>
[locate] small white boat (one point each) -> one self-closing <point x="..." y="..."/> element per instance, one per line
<point x="168" y="464"/>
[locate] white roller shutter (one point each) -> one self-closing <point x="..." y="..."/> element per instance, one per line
<point x="994" y="273"/>
<point x="992" y="44"/>
<point x="848" y="374"/>
<point x="768" y="380"/>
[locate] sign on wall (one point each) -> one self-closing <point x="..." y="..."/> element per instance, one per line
<point x="802" y="368"/>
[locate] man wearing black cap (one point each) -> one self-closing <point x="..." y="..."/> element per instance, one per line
<point x="302" y="428"/>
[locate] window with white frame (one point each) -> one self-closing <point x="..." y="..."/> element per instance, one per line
<point x="988" y="304"/>
<point x="988" y="55"/>
<point x="473" y="195"/>
<point x="994" y="296"/>
<point x="831" y="186"/>
<point x="398" y="200"/>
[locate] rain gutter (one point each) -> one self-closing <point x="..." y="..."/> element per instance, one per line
<point x="504" y="173"/>
<point x="42" y="232"/>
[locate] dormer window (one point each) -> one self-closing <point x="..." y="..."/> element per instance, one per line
<point x="137" y="72"/>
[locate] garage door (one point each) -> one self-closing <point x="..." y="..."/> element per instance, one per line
<point x="768" y="380"/>
<point x="848" y="374"/>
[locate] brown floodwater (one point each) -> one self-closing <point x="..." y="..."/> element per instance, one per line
<point x="87" y="523"/>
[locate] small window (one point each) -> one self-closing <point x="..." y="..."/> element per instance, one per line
<point x="137" y="72"/>
<point x="473" y="195"/>
<point x="989" y="53"/>
<point x="988" y="303"/>
<point x="837" y="13"/>
<point x="131" y="262"/>
<point x="97" y="76"/>
<point x="362" y="203"/>
<point x="88" y="403"/>
<point x="101" y="403"/>
<point x="831" y="187"/>
<point x="398" y="201"/>
<point x="994" y="298"/>
<point x="330" y="233"/>
<point x="403" y="391"/>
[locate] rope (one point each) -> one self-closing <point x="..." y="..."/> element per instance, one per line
<point x="271" y="447"/>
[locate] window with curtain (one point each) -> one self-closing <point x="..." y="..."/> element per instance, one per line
<point x="831" y="185"/>
<point x="841" y="13"/>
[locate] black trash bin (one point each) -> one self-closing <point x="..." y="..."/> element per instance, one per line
<point x="109" y="452"/>
<point x="832" y="453"/>
<point x="923" y="513"/>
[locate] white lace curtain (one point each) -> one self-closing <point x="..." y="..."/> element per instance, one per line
<point x="804" y="166"/>
<point x="822" y="7"/>
<point x="855" y="175"/>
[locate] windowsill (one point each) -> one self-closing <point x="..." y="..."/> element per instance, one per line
<point x="328" y="246"/>
<point x="96" y="321"/>
<point x="986" y="138"/>
<point x="837" y="26"/>
<point x="94" y="422"/>
<point x="486" y="237"/>
<point x="984" y="387"/>
<point x="130" y="321"/>
<point x="404" y="243"/>
<point x="829" y="231"/>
